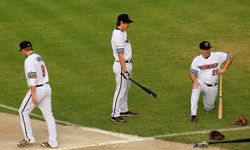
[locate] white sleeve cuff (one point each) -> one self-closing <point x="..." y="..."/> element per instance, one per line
<point x="32" y="82"/>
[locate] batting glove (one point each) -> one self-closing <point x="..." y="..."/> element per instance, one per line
<point x="126" y="75"/>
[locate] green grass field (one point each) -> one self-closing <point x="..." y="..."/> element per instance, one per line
<point x="73" y="37"/>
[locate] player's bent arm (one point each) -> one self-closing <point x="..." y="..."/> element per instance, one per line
<point x="226" y="65"/>
<point x="32" y="86"/>
<point x="33" y="94"/>
<point x="193" y="77"/>
<point x="122" y="62"/>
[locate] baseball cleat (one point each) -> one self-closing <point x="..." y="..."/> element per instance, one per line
<point x="128" y="113"/>
<point x="194" y="119"/>
<point x="23" y="143"/>
<point x="118" y="120"/>
<point x="46" y="145"/>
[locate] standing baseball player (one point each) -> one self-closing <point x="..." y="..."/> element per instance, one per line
<point x="38" y="94"/>
<point x="122" y="68"/>
<point x="204" y="73"/>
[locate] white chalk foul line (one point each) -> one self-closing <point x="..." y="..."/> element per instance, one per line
<point x="127" y="138"/>
<point x="119" y="135"/>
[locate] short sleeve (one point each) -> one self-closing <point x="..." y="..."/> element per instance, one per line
<point x="119" y="42"/>
<point x="223" y="56"/>
<point x="30" y="70"/>
<point x="194" y="67"/>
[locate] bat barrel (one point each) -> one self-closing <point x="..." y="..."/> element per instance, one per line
<point x="220" y="100"/>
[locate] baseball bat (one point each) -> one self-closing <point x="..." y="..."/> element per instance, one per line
<point x="220" y="100"/>
<point x="206" y="143"/>
<point x="144" y="88"/>
<point x="231" y="141"/>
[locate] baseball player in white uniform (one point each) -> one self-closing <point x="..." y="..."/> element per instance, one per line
<point x="204" y="73"/>
<point x="38" y="94"/>
<point x="122" y="68"/>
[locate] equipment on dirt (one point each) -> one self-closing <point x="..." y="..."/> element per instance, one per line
<point x="144" y="88"/>
<point x="241" y="121"/>
<point x="205" y="144"/>
<point x="216" y="135"/>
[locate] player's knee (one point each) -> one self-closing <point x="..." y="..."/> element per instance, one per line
<point x="20" y="111"/>
<point x="196" y="90"/>
<point x="210" y="108"/>
<point x="48" y="114"/>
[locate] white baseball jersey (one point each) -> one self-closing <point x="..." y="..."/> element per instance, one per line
<point x="121" y="44"/>
<point x="35" y="68"/>
<point x="37" y="75"/>
<point x="207" y="68"/>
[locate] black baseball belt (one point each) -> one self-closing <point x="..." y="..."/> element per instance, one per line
<point x="42" y="84"/>
<point x="127" y="61"/>
<point x="210" y="85"/>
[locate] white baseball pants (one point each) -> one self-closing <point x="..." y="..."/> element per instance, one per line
<point x="209" y="97"/>
<point x="120" y="100"/>
<point x="43" y="94"/>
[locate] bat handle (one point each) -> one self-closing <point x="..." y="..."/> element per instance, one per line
<point x="220" y="85"/>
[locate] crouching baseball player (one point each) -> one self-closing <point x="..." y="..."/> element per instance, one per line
<point x="38" y="94"/>
<point x="204" y="73"/>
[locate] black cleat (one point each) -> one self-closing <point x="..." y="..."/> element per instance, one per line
<point x="118" y="120"/>
<point x="128" y="113"/>
<point x="194" y="118"/>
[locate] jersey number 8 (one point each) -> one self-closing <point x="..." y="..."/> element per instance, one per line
<point x="43" y="70"/>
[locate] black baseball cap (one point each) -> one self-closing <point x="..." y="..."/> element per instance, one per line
<point x="24" y="44"/>
<point x="124" y="18"/>
<point x="205" y="45"/>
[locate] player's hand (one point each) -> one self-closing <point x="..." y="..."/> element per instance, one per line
<point x="196" y="85"/>
<point x="221" y="71"/>
<point x="126" y="75"/>
<point x="34" y="100"/>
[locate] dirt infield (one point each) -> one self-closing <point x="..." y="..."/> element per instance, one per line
<point x="79" y="138"/>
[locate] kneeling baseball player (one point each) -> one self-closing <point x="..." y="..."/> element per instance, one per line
<point x="204" y="73"/>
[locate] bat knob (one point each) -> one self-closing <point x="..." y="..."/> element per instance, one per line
<point x="154" y="95"/>
<point x="204" y="144"/>
<point x="195" y="145"/>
